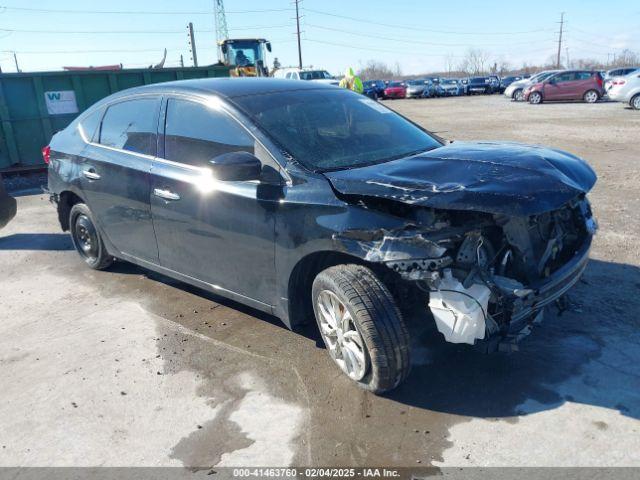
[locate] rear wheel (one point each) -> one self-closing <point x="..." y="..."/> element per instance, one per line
<point x="591" y="96"/>
<point x="87" y="239"/>
<point x="361" y="326"/>
<point x="535" y="98"/>
<point x="518" y="95"/>
<point x="635" y="102"/>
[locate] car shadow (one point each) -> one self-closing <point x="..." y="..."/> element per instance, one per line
<point x="36" y="241"/>
<point x="589" y="354"/>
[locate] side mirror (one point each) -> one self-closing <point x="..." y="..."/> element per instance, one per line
<point x="268" y="44"/>
<point x="236" y="167"/>
<point x="223" y="47"/>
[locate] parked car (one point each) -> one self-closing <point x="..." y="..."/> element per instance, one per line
<point x="449" y="87"/>
<point x="374" y="88"/>
<point x="395" y="90"/>
<point x="8" y="205"/>
<point x="506" y="81"/>
<point x="479" y="85"/>
<point x="464" y="84"/>
<point x="417" y="89"/>
<point x="494" y="81"/>
<point x="626" y="89"/>
<point x="308" y="201"/>
<point x="616" y="72"/>
<point x="321" y="76"/>
<point x="568" y="85"/>
<point x="515" y="91"/>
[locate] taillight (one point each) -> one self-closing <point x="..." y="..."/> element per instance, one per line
<point x="599" y="80"/>
<point x="619" y="82"/>
<point x="46" y="154"/>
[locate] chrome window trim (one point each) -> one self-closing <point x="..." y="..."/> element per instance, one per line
<point x="105" y="106"/>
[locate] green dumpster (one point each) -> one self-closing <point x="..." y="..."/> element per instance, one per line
<point x="33" y="106"/>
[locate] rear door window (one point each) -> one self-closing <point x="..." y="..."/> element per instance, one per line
<point x="88" y="126"/>
<point x="131" y="125"/>
<point x="195" y="133"/>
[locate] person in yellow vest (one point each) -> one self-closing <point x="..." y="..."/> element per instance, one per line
<point x="351" y="81"/>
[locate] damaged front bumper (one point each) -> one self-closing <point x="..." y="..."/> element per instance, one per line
<point x="480" y="303"/>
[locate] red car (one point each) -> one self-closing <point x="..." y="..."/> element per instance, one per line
<point x="567" y="85"/>
<point x="395" y="90"/>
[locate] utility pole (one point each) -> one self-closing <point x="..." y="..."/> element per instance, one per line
<point x="298" y="33"/>
<point x="15" y="59"/>
<point x="560" y="39"/>
<point x="192" y="45"/>
<point x="181" y="61"/>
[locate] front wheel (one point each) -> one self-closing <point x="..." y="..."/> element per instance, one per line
<point x="635" y="102"/>
<point x="535" y="98"/>
<point x="361" y="326"/>
<point x="518" y="95"/>
<point x="87" y="239"/>
<point x="591" y="96"/>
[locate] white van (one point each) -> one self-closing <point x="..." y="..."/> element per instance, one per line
<point x="321" y="76"/>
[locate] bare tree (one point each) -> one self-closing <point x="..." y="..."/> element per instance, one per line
<point x="474" y="62"/>
<point x="375" y="70"/>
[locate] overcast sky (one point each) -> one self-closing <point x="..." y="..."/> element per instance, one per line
<point x="419" y="35"/>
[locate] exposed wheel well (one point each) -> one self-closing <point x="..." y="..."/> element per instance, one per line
<point x="66" y="201"/>
<point x="301" y="281"/>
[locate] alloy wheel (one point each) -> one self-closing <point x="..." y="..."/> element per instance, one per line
<point x="535" y="98"/>
<point x="341" y="336"/>
<point x="591" y="97"/>
<point x="636" y="102"/>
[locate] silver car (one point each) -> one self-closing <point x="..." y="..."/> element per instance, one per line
<point x="616" y="72"/>
<point x="515" y="91"/>
<point x="626" y="89"/>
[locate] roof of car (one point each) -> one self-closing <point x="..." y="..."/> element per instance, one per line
<point x="231" y="87"/>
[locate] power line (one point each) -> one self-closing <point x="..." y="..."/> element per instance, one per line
<point x="127" y="32"/>
<point x="420" y="28"/>
<point x="139" y="12"/>
<point x="474" y="44"/>
<point x="417" y="54"/>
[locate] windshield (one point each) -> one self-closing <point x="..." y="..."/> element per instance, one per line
<point x="395" y="84"/>
<point x="315" y="75"/>
<point x="334" y="129"/>
<point x="245" y="53"/>
<point x="450" y="82"/>
<point x="541" y="77"/>
<point x="479" y="80"/>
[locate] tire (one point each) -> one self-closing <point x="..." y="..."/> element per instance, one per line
<point x="518" y="95"/>
<point x="635" y="102"/>
<point x="369" y="309"/>
<point x="535" y="98"/>
<point x="86" y="238"/>
<point x="591" y="96"/>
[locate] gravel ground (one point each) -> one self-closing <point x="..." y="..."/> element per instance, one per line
<point x="129" y="368"/>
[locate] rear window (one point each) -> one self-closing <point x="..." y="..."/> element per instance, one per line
<point x="131" y="125"/>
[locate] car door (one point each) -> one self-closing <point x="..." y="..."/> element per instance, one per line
<point x="115" y="175"/>
<point x="559" y="86"/>
<point x="221" y="233"/>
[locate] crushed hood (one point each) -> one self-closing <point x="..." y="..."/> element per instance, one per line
<point x="502" y="178"/>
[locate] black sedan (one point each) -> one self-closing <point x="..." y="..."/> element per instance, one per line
<point x="317" y="204"/>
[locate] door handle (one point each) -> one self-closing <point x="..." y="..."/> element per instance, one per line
<point x="91" y="174"/>
<point x="166" y="194"/>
